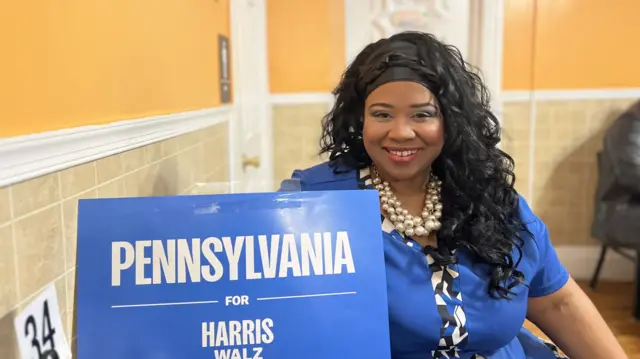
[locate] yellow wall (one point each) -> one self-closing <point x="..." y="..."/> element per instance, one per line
<point x="518" y="35"/>
<point x="548" y="44"/>
<point x="306" y="44"/>
<point x="576" y="44"/>
<point x="77" y="62"/>
<point x="565" y="45"/>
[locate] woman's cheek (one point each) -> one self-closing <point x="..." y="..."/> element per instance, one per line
<point x="432" y="133"/>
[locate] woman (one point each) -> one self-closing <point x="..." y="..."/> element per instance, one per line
<point x="466" y="258"/>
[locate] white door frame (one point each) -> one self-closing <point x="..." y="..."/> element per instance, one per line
<point x="488" y="27"/>
<point x="238" y="23"/>
<point x="486" y="36"/>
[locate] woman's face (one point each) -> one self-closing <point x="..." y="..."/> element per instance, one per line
<point x="403" y="129"/>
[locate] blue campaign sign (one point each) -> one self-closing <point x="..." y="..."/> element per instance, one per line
<point x="241" y="276"/>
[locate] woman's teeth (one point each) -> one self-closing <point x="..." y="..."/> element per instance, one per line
<point x="403" y="153"/>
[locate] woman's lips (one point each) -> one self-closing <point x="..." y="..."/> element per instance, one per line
<point x="401" y="155"/>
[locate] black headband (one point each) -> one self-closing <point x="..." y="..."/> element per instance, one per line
<point x="393" y="74"/>
<point x="398" y="73"/>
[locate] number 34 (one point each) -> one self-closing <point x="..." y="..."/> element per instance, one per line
<point x="40" y="344"/>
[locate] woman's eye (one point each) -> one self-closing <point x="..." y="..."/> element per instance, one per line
<point x="381" y="115"/>
<point x="424" y="114"/>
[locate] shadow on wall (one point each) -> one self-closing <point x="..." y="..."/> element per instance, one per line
<point x="566" y="171"/>
<point x="567" y="136"/>
<point x="8" y="344"/>
<point x="166" y="183"/>
<point x="74" y="328"/>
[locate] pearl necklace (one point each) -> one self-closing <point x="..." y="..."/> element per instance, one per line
<point x="404" y="222"/>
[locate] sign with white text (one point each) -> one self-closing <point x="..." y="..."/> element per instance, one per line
<point x="39" y="328"/>
<point x="236" y="276"/>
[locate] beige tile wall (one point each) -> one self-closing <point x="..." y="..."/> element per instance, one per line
<point x="38" y="217"/>
<point x="568" y="134"/>
<point x="516" y="131"/>
<point x="296" y="137"/>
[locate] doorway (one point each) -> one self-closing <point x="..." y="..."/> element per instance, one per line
<point x="250" y="138"/>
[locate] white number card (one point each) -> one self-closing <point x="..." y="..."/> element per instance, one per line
<point x="39" y="328"/>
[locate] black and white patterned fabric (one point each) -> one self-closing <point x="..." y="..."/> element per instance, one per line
<point x="453" y="332"/>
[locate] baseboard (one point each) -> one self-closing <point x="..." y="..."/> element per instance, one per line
<point x="569" y="95"/>
<point x="31" y="156"/>
<point x="301" y="98"/>
<point x="581" y="262"/>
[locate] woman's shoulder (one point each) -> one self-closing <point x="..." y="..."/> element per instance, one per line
<point x="321" y="177"/>
<point x="546" y="273"/>
<point x="527" y="216"/>
<point x="534" y="225"/>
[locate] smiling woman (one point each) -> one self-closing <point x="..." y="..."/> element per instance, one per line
<point x="466" y="259"/>
<point x="403" y="131"/>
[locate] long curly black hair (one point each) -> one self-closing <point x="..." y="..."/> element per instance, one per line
<point x="480" y="204"/>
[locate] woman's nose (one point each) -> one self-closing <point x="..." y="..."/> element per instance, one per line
<point x="401" y="130"/>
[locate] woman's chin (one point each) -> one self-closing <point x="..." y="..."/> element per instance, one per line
<point x="402" y="173"/>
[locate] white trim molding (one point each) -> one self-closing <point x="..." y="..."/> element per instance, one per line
<point x="35" y="155"/>
<point x="581" y="263"/>
<point x="570" y="95"/>
<point x="504" y="96"/>
<point x="301" y="98"/>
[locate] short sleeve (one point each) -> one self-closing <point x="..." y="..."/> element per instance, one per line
<point x="293" y="184"/>
<point x="550" y="275"/>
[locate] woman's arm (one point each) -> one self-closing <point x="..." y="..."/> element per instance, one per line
<point x="574" y="324"/>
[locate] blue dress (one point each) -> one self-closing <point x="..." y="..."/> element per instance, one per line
<point x="446" y="312"/>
